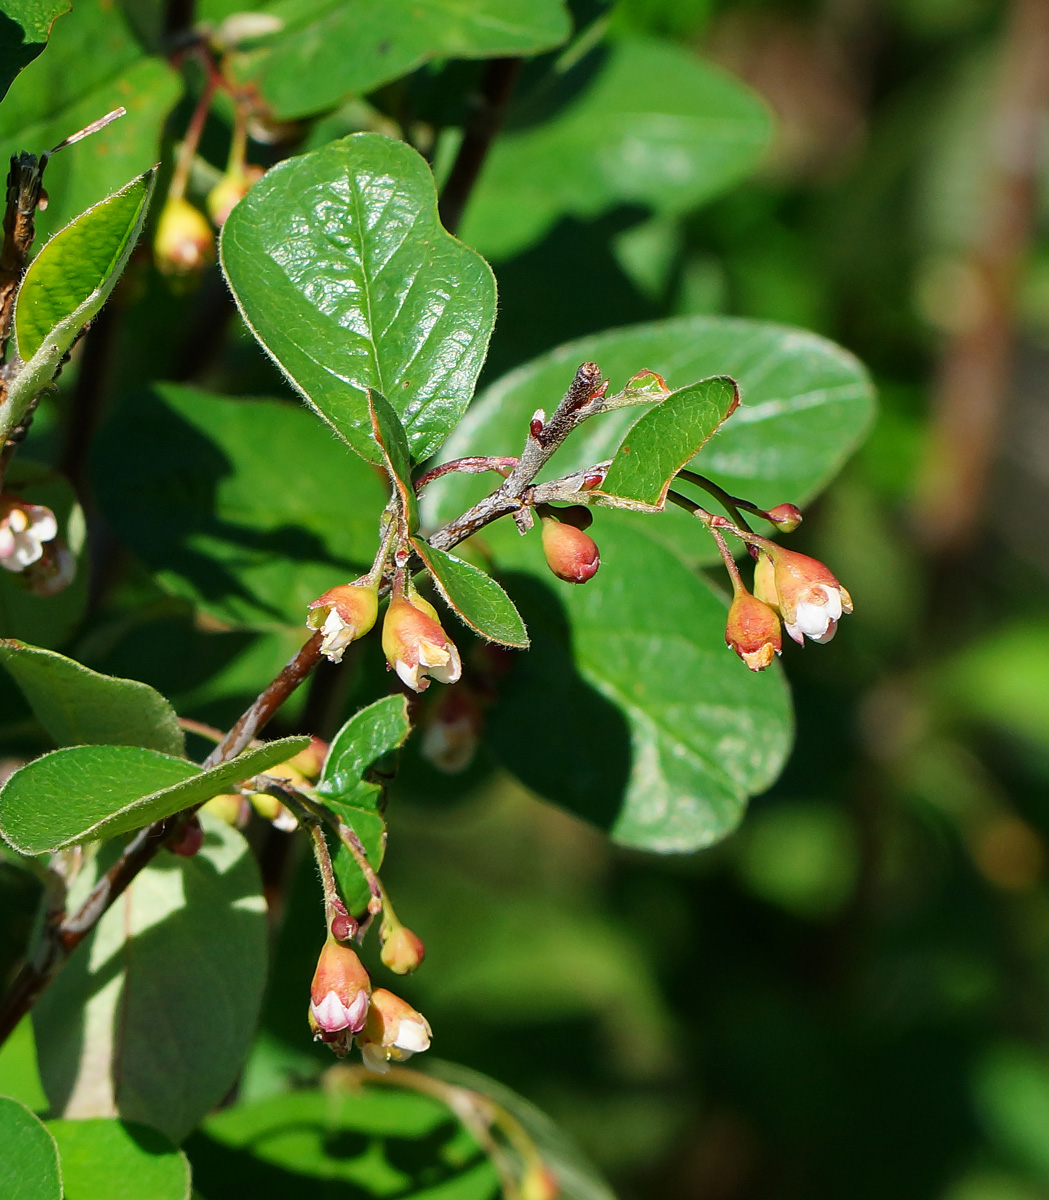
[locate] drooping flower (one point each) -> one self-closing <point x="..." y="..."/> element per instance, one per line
<point x="753" y="630"/>
<point x="571" y="553"/>
<point x="184" y="242"/>
<point x="339" y="996"/>
<point x="416" y="646"/>
<point x="24" y="530"/>
<point x="808" y="597"/>
<point x="393" y="1031"/>
<point x="343" y="614"/>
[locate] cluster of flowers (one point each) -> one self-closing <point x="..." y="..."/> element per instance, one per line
<point x="789" y="586"/>
<point x="344" y="1008"/>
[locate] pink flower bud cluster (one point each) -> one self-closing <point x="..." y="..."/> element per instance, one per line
<point x="344" y="1008"/>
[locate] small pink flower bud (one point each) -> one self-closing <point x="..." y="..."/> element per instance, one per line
<point x="571" y="554"/>
<point x="339" y="996"/>
<point x="190" y="839"/>
<point x="231" y="188"/>
<point x="393" y="1031"/>
<point x="786" y="517"/>
<point x="402" y="950"/>
<point x="753" y="631"/>
<point x="24" y="531"/>
<point x="453" y="730"/>
<point x="184" y="242"/>
<point x="343" y="614"/>
<point x="416" y="646"/>
<point x="809" y="598"/>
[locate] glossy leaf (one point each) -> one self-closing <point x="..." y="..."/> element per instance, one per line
<point x="181" y="958"/>
<point x="24" y="29"/>
<point x="118" y="1160"/>
<point x="474" y="596"/>
<point x="93" y="65"/>
<point x="665" y="439"/>
<point x="389" y="436"/>
<point x="66" y="285"/>
<point x="652" y="728"/>
<point x="45" y="620"/>
<point x="78" y="706"/>
<point x="83" y="793"/>
<point x="28" y="1156"/>
<point x="342" y="270"/>
<point x="657" y="126"/>
<point x="806" y="404"/>
<point x="76" y="270"/>
<point x="348" y="790"/>
<point x="189" y="482"/>
<point x="329" y="49"/>
<point x="410" y="1145"/>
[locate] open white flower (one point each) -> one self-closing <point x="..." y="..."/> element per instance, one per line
<point x="416" y="646"/>
<point x="343" y="614"/>
<point x="808" y="597"/>
<point x="392" y="1032"/>
<point x="24" y="528"/>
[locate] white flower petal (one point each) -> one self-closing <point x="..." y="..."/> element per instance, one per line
<point x="330" y="1014"/>
<point x="795" y="632"/>
<point x="409" y="675"/>
<point x="374" y="1058"/>
<point x="412" y="1036"/>
<point x="44" y="525"/>
<point x="831" y="630"/>
<point x="812" y="619"/>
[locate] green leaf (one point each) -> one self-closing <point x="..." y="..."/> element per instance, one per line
<point x="410" y="1145"/>
<point x="187" y="481"/>
<point x="577" y="1177"/>
<point x="329" y="49"/>
<point x="342" y="270"/>
<point x="76" y="270"/>
<point x="24" y="29"/>
<point x="806" y="404"/>
<point x="392" y="441"/>
<point x="118" y="1160"/>
<point x="83" y="793"/>
<point x="652" y="728"/>
<point x="666" y="438"/>
<point x="66" y="285"/>
<point x="369" y="734"/>
<point x="77" y="706"/>
<point x="28" y="1156"/>
<point x="657" y="126"/>
<point x="93" y="65"/>
<point x="474" y="597"/>
<point x="152" y="1018"/>
<point x="19" y="1074"/>
<point x="45" y="620"/>
<point x="345" y="788"/>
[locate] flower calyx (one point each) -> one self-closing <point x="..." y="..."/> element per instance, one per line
<point x="393" y="1031"/>
<point x="343" y="614"/>
<point x="25" y="529"/>
<point x="339" y="997"/>
<point x="415" y="644"/>
<point x="571" y="553"/>
<point x="753" y="630"/>
<point x="803" y="590"/>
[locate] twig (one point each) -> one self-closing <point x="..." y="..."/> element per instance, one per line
<point x="497" y="85"/>
<point x="517" y="493"/>
<point x="974" y="369"/>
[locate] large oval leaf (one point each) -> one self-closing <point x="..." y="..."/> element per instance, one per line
<point x="342" y="270"/>
<point x="151" y="1018"/>
<point x="185" y="479"/>
<point x="404" y="1145"/>
<point x="651" y="727"/>
<point x="656" y="126"/>
<point x="806" y="404"/>
<point x="83" y="793"/>
<point x="118" y="1160"/>
<point x="79" y="706"/>
<point x="329" y="49"/>
<point x="28" y="1156"/>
